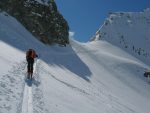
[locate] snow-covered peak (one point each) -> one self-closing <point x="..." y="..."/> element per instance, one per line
<point x="129" y="31"/>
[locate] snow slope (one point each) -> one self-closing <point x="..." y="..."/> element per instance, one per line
<point x="95" y="77"/>
<point x="129" y="31"/>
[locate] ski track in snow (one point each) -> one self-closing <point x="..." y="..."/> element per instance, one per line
<point x="70" y="86"/>
<point x="27" y="100"/>
<point x="27" y="103"/>
<point x="32" y="95"/>
<point x="38" y="98"/>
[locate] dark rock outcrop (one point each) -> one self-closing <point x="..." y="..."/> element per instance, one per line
<point x="42" y="19"/>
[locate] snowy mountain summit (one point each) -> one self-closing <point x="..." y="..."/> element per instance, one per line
<point x="129" y="31"/>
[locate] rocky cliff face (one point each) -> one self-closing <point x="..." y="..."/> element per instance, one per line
<point x="40" y="17"/>
<point x="129" y="31"/>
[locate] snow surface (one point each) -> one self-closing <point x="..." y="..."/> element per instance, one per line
<point x="129" y="31"/>
<point x="94" y="77"/>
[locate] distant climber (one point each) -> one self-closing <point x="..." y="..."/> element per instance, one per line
<point x="30" y="55"/>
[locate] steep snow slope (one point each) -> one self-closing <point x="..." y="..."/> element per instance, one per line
<point x="113" y="82"/>
<point x="14" y="40"/>
<point x="130" y="31"/>
<point x="95" y="77"/>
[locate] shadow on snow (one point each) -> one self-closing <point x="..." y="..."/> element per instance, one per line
<point x="17" y="36"/>
<point x="30" y="82"/>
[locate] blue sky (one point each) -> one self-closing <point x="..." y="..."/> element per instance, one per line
<point x="86" y="16"/>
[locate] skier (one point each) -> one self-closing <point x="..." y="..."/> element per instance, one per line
<point x="30" y="55"/>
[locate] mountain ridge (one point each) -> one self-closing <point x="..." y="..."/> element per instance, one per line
<point x="129" y="31"/>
